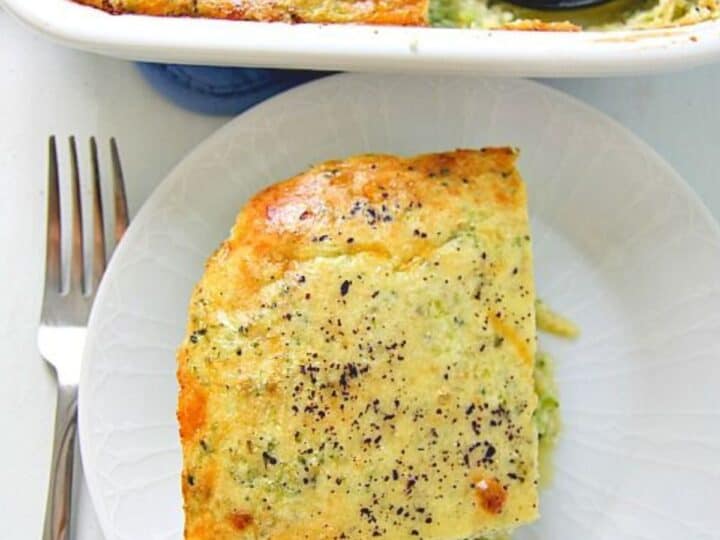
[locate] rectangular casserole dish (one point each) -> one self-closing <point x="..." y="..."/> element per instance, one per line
<point x="371" y="48"/>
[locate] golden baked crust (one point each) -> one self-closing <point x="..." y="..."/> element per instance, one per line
<point x="359" y="357"/>
<point x="145" y="7"/>
<point x="100" y="4"/>
<point x="395" y="12"/>
<point x="536" y="25"/>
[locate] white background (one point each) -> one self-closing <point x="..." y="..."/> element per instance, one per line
<point x="46" y="89"/>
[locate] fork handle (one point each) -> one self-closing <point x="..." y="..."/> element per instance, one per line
<point x="57" y="512"/>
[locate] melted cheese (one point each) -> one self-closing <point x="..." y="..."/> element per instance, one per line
<point x="359" y="357"/>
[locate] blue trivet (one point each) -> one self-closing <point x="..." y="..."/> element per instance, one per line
<point x="221" y="91"/>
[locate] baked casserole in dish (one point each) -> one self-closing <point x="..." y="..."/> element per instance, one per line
<point x="488" y="14"/>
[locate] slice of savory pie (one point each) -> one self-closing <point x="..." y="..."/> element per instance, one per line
<point x="359" y="357"/>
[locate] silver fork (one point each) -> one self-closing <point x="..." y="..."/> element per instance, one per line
<point x="65" y="311"/>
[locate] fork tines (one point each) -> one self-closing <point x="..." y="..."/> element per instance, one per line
<point x="100" y="249"/>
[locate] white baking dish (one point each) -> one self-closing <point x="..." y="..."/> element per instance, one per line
<point x="364" y="48"/>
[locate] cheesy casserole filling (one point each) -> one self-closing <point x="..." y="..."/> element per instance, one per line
<point x="360" y="357"/>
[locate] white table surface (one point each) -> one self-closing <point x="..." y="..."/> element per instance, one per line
<point x="47" y="89"/>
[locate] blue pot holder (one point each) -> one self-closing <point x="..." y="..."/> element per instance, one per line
<point x="221" y="91"/>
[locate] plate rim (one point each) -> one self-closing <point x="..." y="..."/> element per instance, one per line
<point x="166" y="184"/>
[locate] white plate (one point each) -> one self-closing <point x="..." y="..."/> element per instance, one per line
<point x="365" y="48"/>
<point x="621" y="245"/>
